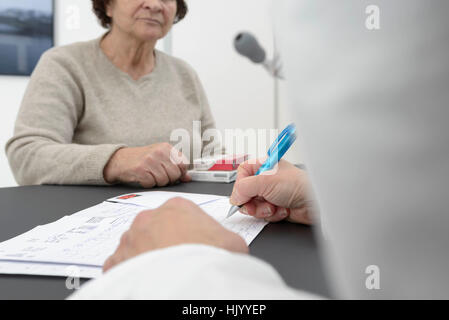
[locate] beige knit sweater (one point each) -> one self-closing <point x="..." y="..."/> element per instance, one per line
<point x="79" y="108"/>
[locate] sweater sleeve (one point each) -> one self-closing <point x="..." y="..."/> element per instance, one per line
<point x="41" y="150"/>
<point x="191" y="271"/>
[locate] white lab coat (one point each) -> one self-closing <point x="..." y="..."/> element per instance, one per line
<point x="191" y="271"/>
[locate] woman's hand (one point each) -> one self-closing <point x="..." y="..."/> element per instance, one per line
<point x="274" y="195"/>
<point x="155" y="165"/>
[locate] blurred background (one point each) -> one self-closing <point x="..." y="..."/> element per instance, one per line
<point x="241" y="94"/>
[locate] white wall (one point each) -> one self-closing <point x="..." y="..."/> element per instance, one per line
<point x="295" y="154"/>
<point x="240" y="93"/>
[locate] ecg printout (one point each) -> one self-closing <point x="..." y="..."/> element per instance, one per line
<point x="87" y="238"/>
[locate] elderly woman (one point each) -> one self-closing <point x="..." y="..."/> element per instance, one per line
<point x="102" y="111"/>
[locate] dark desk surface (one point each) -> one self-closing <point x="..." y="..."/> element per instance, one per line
<point x="290" y="248"/>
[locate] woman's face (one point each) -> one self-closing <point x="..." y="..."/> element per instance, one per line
<point x="144" y="19"/>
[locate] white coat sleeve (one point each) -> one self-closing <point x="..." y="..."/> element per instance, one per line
<point x="190" y="272"/>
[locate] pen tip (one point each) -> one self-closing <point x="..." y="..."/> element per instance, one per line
<point x="233" y="210"/>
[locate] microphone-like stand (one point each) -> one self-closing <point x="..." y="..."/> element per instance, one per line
<point x="247" y="45"/>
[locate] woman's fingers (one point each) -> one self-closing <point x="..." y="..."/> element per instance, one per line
<point x="160" y="175"/>
<point x="178" y="159"/>
<point x="147" y="181"/>
<point x="163" y="174"/>
<point x="173" y="172"/>
<point x="184" y="166"/>
<point x="186" y="178"/>
<point x="155" y="165"/>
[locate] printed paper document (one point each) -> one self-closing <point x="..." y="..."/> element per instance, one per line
<point x="79" y="244"/>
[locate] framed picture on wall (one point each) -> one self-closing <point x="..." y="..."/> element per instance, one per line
<point x="26" y="31"/>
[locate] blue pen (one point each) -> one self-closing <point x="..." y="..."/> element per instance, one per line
<point x="275" y="154"/>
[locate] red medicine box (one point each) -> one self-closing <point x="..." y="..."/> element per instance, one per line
<point x="220" y="163"/>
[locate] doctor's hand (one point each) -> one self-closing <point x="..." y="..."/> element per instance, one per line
<point x="155" y="165"/>
<point x="282" y="193"/>
<point x="178" y="221"/>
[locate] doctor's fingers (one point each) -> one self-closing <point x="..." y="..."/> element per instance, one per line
<point x="249" y="168"/>
<point x="116" y="258"/>
<point x="247" y="188"/>
<point x="279" y="215"/>
<point x="259" y="208"/>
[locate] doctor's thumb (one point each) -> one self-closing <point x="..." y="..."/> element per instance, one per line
<point x="247" y="188"/>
